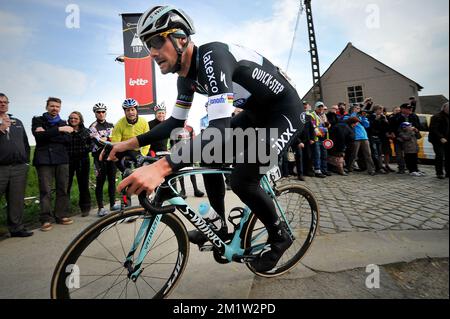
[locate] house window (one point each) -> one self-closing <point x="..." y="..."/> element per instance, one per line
<point x="355" y="94"/>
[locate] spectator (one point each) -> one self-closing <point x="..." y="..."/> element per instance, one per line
<point x="79" y="161"/>
<point x="184" y="135"/>
<point x="395" y="121"/>
<point x="361" y="141"/>
<point x="396" y="110"/>
<point x="439" y="138"/>
<point x="342" y="136"/>
<point x="104" y="170"/>
<point x="409" y="135"/>
<point x="131" y="125"/>
<point x="342" y="111"/>
<point x="321" y="127"/>
<point x="413" y="103"/>
<point x="379" y="129"/>
<point x="332" y="116"/>
<point x="308" y="150"/>
<point x="51" y="160"/>
<point x="14" y="159"/>
<point x="367" y="105"/>
<point x="160" y="116"/>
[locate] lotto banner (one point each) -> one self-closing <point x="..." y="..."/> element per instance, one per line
<point x="139" y="66"/>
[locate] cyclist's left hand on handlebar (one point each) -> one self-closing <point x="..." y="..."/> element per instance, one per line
<point x="146" y="178"/>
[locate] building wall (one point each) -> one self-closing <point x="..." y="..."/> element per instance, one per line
<point x="354" y="68"/>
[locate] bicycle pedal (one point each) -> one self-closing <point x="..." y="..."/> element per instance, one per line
<point x="206" y="248"/>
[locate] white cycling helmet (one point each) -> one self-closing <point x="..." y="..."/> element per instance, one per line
<point x="169" y="20"/>
<point x="160" y="107"/>
<point x="99" y="107"/>
<point x="163" y="18"/>
<point x="129" y="103"/>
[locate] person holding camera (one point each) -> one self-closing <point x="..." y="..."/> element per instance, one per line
<point x="14" y="159"/>
<point x="361" y="139"/>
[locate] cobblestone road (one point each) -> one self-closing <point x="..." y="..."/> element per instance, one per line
<point x="361" y="202"/>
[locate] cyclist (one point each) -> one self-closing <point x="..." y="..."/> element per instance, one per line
<point x="225" y="74"/>
<point x="131" y="125"/>
<point x="160" y="116"/>
<point x="102" y="130"/>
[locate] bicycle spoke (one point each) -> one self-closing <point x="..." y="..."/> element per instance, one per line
<point x="102" y="276"/>
<point x="98" y="240"/>
<point x="99" y="258"/>
<point x="149" y="285"/>
<point x="120" y="240"/>
<point x="114" y="284"/>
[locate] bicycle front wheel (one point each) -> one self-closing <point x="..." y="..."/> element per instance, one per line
<point x="302" y="215"/>
<point x="92" y="267"/>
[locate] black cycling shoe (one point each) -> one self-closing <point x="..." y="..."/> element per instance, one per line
<point x="198" y="238"/>
<point x="272" y="252"/>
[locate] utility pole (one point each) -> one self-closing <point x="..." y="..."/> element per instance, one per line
<point x="317" y="85"/>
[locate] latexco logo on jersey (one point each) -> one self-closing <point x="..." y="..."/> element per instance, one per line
<point x="208" y="63"/>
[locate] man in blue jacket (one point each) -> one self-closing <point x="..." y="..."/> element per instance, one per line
<point x="52" y="162"/>
<point x="360" y="123"/>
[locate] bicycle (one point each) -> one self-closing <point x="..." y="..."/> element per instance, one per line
<point x="97" y="265"/>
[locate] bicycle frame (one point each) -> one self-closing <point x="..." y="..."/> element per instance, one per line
<point x="232" y="251"/>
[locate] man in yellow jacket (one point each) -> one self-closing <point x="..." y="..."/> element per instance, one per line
<point x="131" y="125"/>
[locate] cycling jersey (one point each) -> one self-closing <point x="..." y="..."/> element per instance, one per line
<point x="102" y="131"/>
<point x="231" y="76"/>
<point x="123" y="131"/>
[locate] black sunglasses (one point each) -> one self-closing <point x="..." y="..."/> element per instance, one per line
<point x="100" y="112"/>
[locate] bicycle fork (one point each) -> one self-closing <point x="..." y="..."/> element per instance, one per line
<point x="146" y="232"/>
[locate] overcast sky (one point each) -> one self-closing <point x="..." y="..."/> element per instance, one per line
<point x="41" y="57"/>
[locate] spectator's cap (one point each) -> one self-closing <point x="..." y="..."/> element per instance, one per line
<point x="405" y="124"/>
<point x="305" y="102"/>
<point x="406" y="106"/>
<point x="319" y="104"/>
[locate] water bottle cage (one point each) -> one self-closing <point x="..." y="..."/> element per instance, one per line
<point x="235" y="216"/>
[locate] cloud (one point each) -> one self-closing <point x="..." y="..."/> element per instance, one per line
<point x="13" y="32"/>
<point x="411" y="37"/>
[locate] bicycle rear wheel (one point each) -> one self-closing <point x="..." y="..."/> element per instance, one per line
<point x="302" y="214"/>
<point x="93" y="265"/>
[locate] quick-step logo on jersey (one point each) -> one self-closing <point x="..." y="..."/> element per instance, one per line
<point x="208" y="63"/>
<point x="268" y="80"/>
<point x="285" y="137"/>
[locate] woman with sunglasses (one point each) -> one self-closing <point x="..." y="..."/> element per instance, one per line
<point x="230" y="76"/>
<point x="79" y="163"/>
